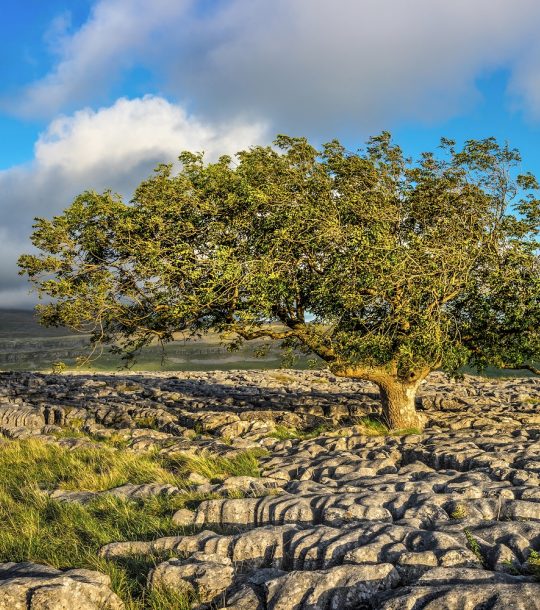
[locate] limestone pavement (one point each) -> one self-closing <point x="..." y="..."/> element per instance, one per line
<point x="339" y="519"/>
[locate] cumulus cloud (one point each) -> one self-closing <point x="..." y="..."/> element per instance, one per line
<point x="305" y="65"/>
<point x="114" y="147"/>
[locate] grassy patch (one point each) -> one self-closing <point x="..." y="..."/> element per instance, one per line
<point x="217" y="468"/>
<point x="533" y="563"/>
<point x="65" y="535"/>
<point x="69" y="535"/>
<point x="128" y="579"/>
<point x="474" y="546"/>
<point x="284" y="433"/>
<point x="70" y="432"/>
<point x="373" y="426"/>
<point x="459" y="512"/>
<point x="32" y="462"/>
<point x="405" y="431"/>
<point x="115" y="439"/>
<point x="281" y="377"/>
<point x="147" y="422"/>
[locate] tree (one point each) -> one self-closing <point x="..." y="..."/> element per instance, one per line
<point x="383" y="267"/>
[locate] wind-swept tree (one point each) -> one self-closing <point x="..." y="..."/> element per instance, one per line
<point x="383" y="267"/>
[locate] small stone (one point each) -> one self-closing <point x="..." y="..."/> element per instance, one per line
<point x="183" y="517"/>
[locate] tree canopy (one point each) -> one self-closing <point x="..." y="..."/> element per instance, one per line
<point x="385" y="267"/>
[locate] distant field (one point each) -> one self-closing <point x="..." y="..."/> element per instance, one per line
<point x="25" y="345"/>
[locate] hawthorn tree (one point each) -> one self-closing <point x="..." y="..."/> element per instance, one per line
<point x="385" y="268"/>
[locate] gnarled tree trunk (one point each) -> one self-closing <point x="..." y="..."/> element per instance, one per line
<point x="397" y="394"/>
<point x="398" y="403"/>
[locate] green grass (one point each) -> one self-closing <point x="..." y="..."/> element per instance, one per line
<point x="284" y="433"/>
<point x="150" y="422"/>
<point x="68" y="535"/>
<point x="116" y="439"/>
<point x="128" y="576"/>
<point x="375" y="427"/>
<point x="474" y="547"/>
<point x="460" y="512"/>
<point x="64" y="535"/>
<point x="533" y="563"/>
<point x="87" y="468"/>
<point x="217" y="468"/>
<point x="405" y="431"/>
<point x="371" y="427"/>
<point x="282" y="377"/>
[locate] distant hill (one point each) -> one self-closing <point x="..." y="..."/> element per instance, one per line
<point x="23" y="323"/>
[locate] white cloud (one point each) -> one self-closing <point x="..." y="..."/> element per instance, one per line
<point x="114" y="147"/>
<point x="118" y="35"/>
<point x="307" y="65"/>
<point x="144" y="129"/>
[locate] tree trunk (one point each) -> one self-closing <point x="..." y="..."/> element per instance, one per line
<point x="398" y="408"/>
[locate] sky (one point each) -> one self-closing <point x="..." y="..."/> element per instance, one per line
<point x="95" y="93"/>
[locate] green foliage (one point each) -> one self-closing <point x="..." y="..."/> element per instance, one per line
<point x="533" y="563"/>
<point x="460" y="512"/>
<point x="474" y="546"/>
<point x="383" y="267"/>
<point x="58" y="367"/>
<point x="150" y="422"/>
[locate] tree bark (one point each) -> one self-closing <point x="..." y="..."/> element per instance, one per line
<point x="398" y="404"/>
<point x="397" y="394"/>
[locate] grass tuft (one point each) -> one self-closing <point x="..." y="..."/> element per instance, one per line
<point x="284" y="433"/>
<point x="533" y="563"/>
<point x="69" y="535"/>
<point x="460" y="512"/>
<point x="474" y="546"/>
<point x="372" y="426"/>
<point x="216" y="468"/>
<point x="32" y="462"/>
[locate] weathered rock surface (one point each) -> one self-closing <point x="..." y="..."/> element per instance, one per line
<point x="31" y="586"/>
<point x="446" y="519"/>
<point x="206" y="575"/>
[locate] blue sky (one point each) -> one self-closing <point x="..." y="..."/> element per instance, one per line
<point x="96" y="92"/>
